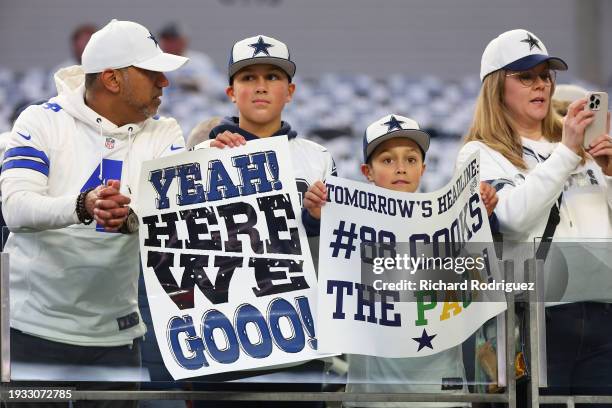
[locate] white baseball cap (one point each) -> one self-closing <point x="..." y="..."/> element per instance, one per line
<point x="389" y="127"/>
<point x="260" y="49"/>
<point x="120" y="44"/>
<point x="516" y="50"/>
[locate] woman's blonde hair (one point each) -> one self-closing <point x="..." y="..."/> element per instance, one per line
<point x="493" y="125"/>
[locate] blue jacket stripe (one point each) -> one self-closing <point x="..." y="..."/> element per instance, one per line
<point x="28" y="152"/>
<point x="26" y="164"/>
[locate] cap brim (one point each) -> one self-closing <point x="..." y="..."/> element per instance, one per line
<point x="420" y="137"/>
<point x="285" y="65"/>
<point x="531" y="61"/>
<point x="163" y="62"/>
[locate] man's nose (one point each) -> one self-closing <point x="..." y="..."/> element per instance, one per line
<point x="162" y="80"/>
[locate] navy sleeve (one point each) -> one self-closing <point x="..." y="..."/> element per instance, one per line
<point x="494" y="223"/>
<point x="311" y="224"/>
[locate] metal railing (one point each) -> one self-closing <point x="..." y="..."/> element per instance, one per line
<point x="537" y="347"/>
<point x="536" y="356"/>
<point x="505" y="377"/>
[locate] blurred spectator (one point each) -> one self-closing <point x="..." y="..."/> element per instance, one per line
<point x="78" y="40"/>
<point x="196" y="76"/>
<point x="200" y="133"/>
<point x="564" y="95"/>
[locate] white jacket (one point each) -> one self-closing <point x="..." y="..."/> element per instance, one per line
<point x="525" y="200"/>
<point x="69" y="282"/>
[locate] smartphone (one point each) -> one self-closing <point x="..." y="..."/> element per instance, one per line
<point x="598" y="103"/>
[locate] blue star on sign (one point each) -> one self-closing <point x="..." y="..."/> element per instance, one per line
<point x="152" y="37"/>
<point x="393" y="124"/>
<point x="424" y="340"/>
<point x="532" y="42"/>
<point x="260" y="46"/>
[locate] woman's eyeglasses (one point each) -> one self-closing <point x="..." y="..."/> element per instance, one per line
<point x="528" y="78"/>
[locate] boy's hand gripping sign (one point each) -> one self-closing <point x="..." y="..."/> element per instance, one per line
<point x="405" y="275"/>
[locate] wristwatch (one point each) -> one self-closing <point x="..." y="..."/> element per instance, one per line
<point x="131" y="223"/>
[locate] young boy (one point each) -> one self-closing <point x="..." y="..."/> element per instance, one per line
<point x="260" y="74"/>
<point x="394" y="154"/>
<point x="260" y="77"/>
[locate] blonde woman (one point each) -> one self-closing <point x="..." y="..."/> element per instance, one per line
<point x="548" y="185"/>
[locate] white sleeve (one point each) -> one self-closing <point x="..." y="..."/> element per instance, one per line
<point x="608" y="180"/>
<point x="173" y="140"/>
<point x="523" y="204"/>
<point x="330" y="166"/>
<point x="26" y="204"/>
<point x="203" y="145"/>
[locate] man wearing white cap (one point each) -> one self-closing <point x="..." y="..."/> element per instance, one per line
<point x="69" y="162"/>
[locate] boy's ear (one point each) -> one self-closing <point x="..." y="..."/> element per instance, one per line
<point x="229" y="91"/>
<point x="367" y="172"/>
<point x="423" y="169"/>
<point x="291" y="90"/>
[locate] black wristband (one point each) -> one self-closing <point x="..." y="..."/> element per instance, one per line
<point x="81" y="211"/>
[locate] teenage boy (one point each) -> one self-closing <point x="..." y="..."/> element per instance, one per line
<point x="394" y="150"/>
<point x="260" y="75"/>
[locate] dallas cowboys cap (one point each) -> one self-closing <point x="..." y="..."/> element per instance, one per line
<point x="516" y="50"/>
<point x="260" y="49"/>
<point x="120" y="44"/>
<point x="389" y="127"/>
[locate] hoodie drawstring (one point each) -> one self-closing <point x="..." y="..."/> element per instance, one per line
<point x="128" y="161"/>
<point x="99" y="121"/>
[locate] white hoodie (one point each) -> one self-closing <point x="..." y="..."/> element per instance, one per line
<point x="525" y="200"/>
<point x="69" y="282"/>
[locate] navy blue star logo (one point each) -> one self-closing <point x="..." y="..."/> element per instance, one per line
<point x="393" y="124"/>
<point x="424" y="340"/>
<point x="261" y="46"/>
<point x="152" y="37"/>
<point x="532" y="42"/>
